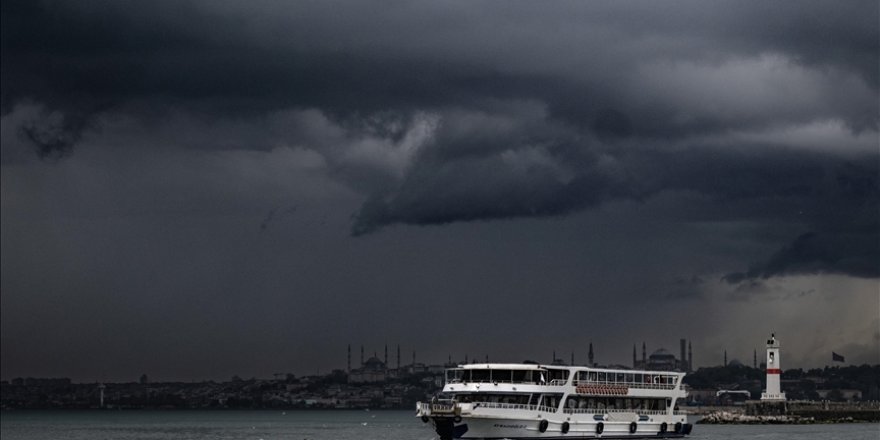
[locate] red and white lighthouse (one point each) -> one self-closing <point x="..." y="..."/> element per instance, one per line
<point x="774" y="370"/>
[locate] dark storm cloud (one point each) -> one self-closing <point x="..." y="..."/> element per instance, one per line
<point x="346" y="57"/>
<point x="540" y="111"/>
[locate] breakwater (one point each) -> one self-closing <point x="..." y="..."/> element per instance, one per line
<point x="796" y="412"/>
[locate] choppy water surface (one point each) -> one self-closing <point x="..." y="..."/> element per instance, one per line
<point x="318" y="425"/>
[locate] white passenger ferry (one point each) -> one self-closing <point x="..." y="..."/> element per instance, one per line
<point x="526" y="401"/>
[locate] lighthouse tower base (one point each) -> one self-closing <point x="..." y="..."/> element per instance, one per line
<point x="773" y="397"/>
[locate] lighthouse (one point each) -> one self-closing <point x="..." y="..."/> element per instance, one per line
<point x="773" y="393"/>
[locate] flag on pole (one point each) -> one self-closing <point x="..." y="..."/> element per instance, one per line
<point x="836" y="357"/>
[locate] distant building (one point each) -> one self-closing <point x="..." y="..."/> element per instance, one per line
<point x="663" y="360"/>
<point x="373" y="370"/>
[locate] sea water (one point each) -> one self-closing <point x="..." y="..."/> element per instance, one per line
<point x="319" y="425"/>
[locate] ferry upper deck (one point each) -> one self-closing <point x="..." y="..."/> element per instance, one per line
<point x="557" y="375"/>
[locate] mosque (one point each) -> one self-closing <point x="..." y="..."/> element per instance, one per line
<point x="662" y="360"/>
<point x="373" y="369"/>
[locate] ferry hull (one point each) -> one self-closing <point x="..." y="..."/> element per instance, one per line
<point x="448" y="428"/>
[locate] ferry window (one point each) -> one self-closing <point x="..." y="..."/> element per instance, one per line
<point x="454" y="375"/>
<point x="520" y="376"/>
<point x="558" y="374"/>
<point x="601" y="376"/>
<point x="629" y="377"/>
<point x="500" y="375"/>
<point x="480" y="375"/>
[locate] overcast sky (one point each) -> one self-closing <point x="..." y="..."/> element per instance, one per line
<point x="197" y="189"/>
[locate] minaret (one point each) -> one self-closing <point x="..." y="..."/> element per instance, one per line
<point x="349" y="358"/>
<point x="774" y="369"/>
<point x="634" y="355"/>
<point x="725" y="358"/>
<point x="644" y="356"/>
<point x="755" y="359"/>
<point x="590" y="355"/>
<point x="690" y="358"/>
<point x="362" y="355"/>
<point x="398" y="357"/>
<point x="682" y="359"/>
<point x="386" y="355"/>
<point x="553" y="359"/>
<point x="101" y="389"/>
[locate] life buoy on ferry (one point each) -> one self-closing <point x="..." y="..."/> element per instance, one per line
<point x="678" y="428"/>
<point x="564" y="428"/>
<point x="663" y="427"/>
<point x="456" y="419"/>
<point x="633" y="427"/>
<point x="425" y="419"/>
<point x="600" y="427"/>
<point x="542" y="425"/>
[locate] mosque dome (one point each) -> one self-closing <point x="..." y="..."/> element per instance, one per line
<point x="374" y="364"/>
<point x="662" y="354"/>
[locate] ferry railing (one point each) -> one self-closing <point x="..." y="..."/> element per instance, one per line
<point x="647" y="412"/>
<point x="501" y="405"/>
<point x="641" y="385"/>
<point x="437" y="407"/>
<point x="554" y="382"/>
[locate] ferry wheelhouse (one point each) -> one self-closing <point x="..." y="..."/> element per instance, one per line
<point x="525" y="401"/>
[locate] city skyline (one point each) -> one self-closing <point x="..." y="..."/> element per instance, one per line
<point x="198" y="189"/>
<point x="397" y="362"/>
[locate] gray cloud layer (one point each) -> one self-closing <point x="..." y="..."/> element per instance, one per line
<point x="541" y="111"/>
